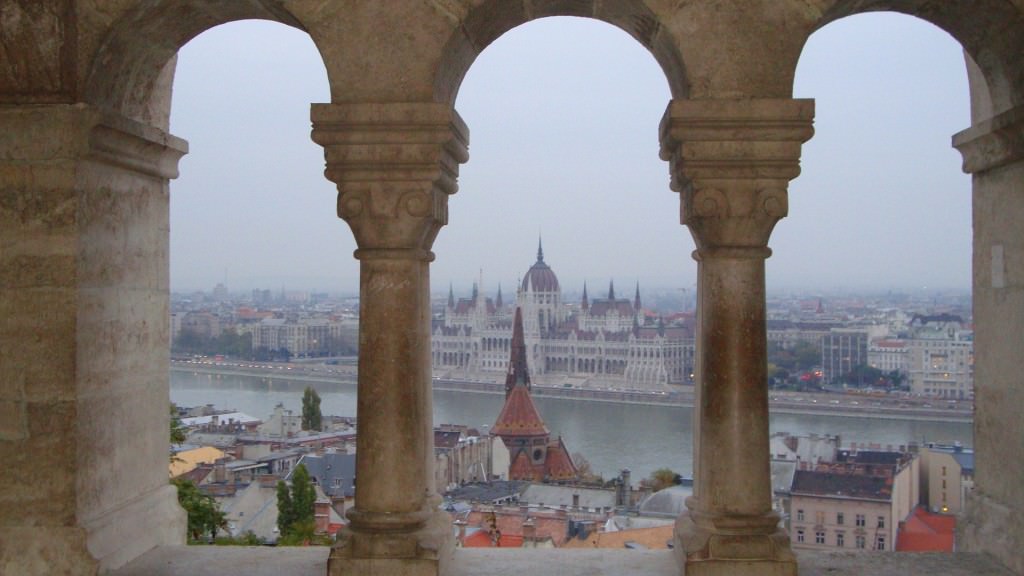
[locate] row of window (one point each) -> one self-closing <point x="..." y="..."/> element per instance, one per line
<point x="859" y="520"/>
<point x="859" y="540"/>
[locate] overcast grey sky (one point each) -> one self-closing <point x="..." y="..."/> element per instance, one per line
<point x="563" y="115"/>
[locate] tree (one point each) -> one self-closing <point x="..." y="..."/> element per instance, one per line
<point x="285" y="509"/>
<point x="585" y="470"/>
<point x="663" y="478"/>
<point x="178" y="435"/>
<point x="204" y="515"/>
<point x="295" y="508"/>
<point x="311" y="417"/>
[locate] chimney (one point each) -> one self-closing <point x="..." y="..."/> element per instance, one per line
<point x="627" y="488"/>
<point x="575" y="500"/>
<point x="322" y="515"/>
<point x="461" y="525"/>
<point x="529" y="531"/>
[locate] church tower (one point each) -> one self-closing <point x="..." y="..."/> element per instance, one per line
<point x="533" y="455"/>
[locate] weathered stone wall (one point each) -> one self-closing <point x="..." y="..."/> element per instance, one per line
<point x="994" y="151"/>
<point x="85" y="161"/>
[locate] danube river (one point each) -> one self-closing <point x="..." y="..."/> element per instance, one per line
<point x="611" y="436"/>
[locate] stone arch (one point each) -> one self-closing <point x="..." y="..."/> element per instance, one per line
<point x="491" y="19"/>
<point x="132" y="71"/>
<point x="988" y="31"/>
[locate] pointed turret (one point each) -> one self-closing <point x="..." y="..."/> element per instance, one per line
<point x="611" y="290"/>
<point x="498" y="303"/>
<point x="585" y="304"/>
<point x="540" y="249"/>
<point x="636" y="299"/>
<point x="451" y="297"/>
<point x="517" y="368"/>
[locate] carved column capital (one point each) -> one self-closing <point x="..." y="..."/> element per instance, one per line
<point x="993" y="143"/>
<point x="731" y="161"/>
<point x="395" y="165"/>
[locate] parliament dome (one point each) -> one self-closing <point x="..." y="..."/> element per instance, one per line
<point x="540" y="277"/>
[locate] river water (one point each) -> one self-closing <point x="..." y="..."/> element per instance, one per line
<point x="610" y="436"/>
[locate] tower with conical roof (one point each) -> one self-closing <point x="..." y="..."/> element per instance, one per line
<point x="533" y="455"/>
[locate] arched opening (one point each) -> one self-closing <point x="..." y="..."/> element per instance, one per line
<point x="871" y="274"/>
<point x="564" y="115"/>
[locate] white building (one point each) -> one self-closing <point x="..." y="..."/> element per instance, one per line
<point x="605" y="341"/>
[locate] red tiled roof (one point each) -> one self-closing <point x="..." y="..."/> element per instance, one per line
<point x="482" y="539"/>
<point x="519" y="416"/>
<point x="926" y="532"/>
<point x="559" y="465"/>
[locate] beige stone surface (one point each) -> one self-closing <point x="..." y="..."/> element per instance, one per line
<point x="215" y="561"/>
<point x="85" y="162"/>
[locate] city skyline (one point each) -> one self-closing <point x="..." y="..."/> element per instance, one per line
<point x="553" y="154"/>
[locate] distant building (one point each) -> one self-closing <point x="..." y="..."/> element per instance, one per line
<point x="947" y="476"/>
<point x="610" y="341"/>
<point x="856" y="502"/>
<point x="301" y="337"/>
<point x="842" y="350"/>
<point x="941" y="357"/>
<point x="463" y="455"/>
<point x="889" y="355"/>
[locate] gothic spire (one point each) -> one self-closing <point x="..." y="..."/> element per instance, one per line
<point x="476" y="291"/>
<point x="451" y="296"/>
<point x="636" y="299"/>
<point x="586" y="301"/>
<point x="540" y="249"/>
<point x="498" y="302"/>
<point x="517" y="369"/>
<point x="611" y="290"/>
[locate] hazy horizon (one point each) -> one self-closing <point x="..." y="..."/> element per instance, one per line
<point x="563" y="114"/>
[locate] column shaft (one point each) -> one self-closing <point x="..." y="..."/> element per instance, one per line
<point x="394" y="398"/>
<point x="733" y="475"/>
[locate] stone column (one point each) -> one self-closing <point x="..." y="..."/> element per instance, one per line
<point x="395" y="165"/>
<point x="993" y="153"/>
<point x="731" y="161"/>
<point x="84" y="340"/>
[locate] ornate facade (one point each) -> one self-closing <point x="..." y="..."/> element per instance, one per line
<point x="608" y="342"/>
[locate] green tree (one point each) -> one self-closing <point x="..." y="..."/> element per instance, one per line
<point x="285" y="509"/>
<point x="311" y="417"/>
<point x="178" y="435"/>
<point x="204" y="515"/>
<point x="295" y="522"/>
<point x="663" y="478"/>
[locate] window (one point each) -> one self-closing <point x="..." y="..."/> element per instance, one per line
<point x="860" y="541"/>
<point x="860" y="520"/>
<point x="800" y="535"/>
<point x="819" y="537"/>
<point x="943" y="483"/>
<point x="839" y="518"/>
<point x="800" y="515"/>
<point x="943" y="470"/>
<point x="840" y="540"/>
<point x="881" y="543"/>
<point x="881" y="521"/>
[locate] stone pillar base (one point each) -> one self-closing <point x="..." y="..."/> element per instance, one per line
<point x="129" y="531"/>
<point x="733" y="546"/>
<point x="991" y="527"/>
<point x="423" y="552"/>
<point x="45" y="550"/>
